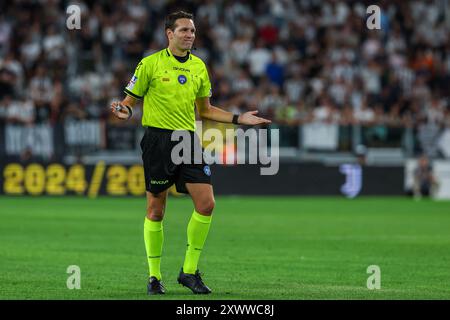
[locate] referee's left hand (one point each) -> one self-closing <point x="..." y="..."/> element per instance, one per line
<point x="249" y="118"/>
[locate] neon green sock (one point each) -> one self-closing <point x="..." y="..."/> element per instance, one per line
<point x="197" y="231"/>
<point x="154" y="238"/>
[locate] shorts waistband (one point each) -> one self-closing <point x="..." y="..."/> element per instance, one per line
<point x="156" y="129"/>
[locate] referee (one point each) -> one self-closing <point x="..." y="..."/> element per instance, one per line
<point x="172" y="82"/>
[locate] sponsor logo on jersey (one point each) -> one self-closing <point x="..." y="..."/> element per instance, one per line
<point x="181" y="69"/>
<point x="182" y="79"/>
<point x="132" y="83"/>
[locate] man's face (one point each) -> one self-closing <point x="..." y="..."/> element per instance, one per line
<point x="423" y="162"/>
<point x="184" y="34"/>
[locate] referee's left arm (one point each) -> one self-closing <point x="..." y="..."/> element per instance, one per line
<point x="210" y="112"/>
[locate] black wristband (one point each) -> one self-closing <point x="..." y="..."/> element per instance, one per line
<point x="130" y="112"/>
<point x="235" y="119"/>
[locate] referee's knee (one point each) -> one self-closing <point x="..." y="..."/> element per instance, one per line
<point x="205" y="207"/>
<point x="155" y="214"/>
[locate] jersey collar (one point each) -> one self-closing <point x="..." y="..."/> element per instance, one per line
<point x="170" y="54"/>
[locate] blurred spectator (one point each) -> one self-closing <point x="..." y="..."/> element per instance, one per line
<point x="19" y="112"/>
<point x="272" y="101"/>
<point x="428" y="134"/>
<point x="275" y="71"/>
<point x="361" y="154"/>
<point x="41" y="92"/>
<point x="30" y="50"/>
<point x="294" y="86"/>
<point x="5" y="34"/>
<point x="7" y="80"/>
<point x="53" y="44"/>
<point x="243" y="82"/>
<point x="435" y="111"/>
<point x="240" y="47"/>
<point x="286" y="114"/>
<point x="74" y="111"/>
<point x="258" y="59"/>
<point x="364" y="115"/>
<point x="11" y="64"/>
<point x="326" y="111"/>
<point x="424" y="181"/>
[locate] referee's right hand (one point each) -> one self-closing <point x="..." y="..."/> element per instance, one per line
<point x="119" y="110"/>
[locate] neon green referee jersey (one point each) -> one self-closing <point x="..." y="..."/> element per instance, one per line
<point x="169" y="89"/>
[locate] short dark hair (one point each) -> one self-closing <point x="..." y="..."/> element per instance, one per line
<point x="174" y="16"/>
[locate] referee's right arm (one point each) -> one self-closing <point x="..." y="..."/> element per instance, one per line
<point x="135" y="90"/>
<point x="123" y="112"/>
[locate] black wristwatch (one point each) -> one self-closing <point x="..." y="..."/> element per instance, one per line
<point x="130" y="111"/>
<point x="235" y="119"/>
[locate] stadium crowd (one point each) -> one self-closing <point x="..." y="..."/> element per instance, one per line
<point x="296" y="61"/>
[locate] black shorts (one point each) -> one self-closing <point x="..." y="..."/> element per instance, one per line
<point x="159" y="169"/>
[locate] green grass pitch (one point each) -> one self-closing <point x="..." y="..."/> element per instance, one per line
<point x="258" y="248"/>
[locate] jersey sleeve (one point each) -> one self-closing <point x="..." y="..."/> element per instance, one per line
<point x="205" y="88"/>
<point x="139" y="83"/>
